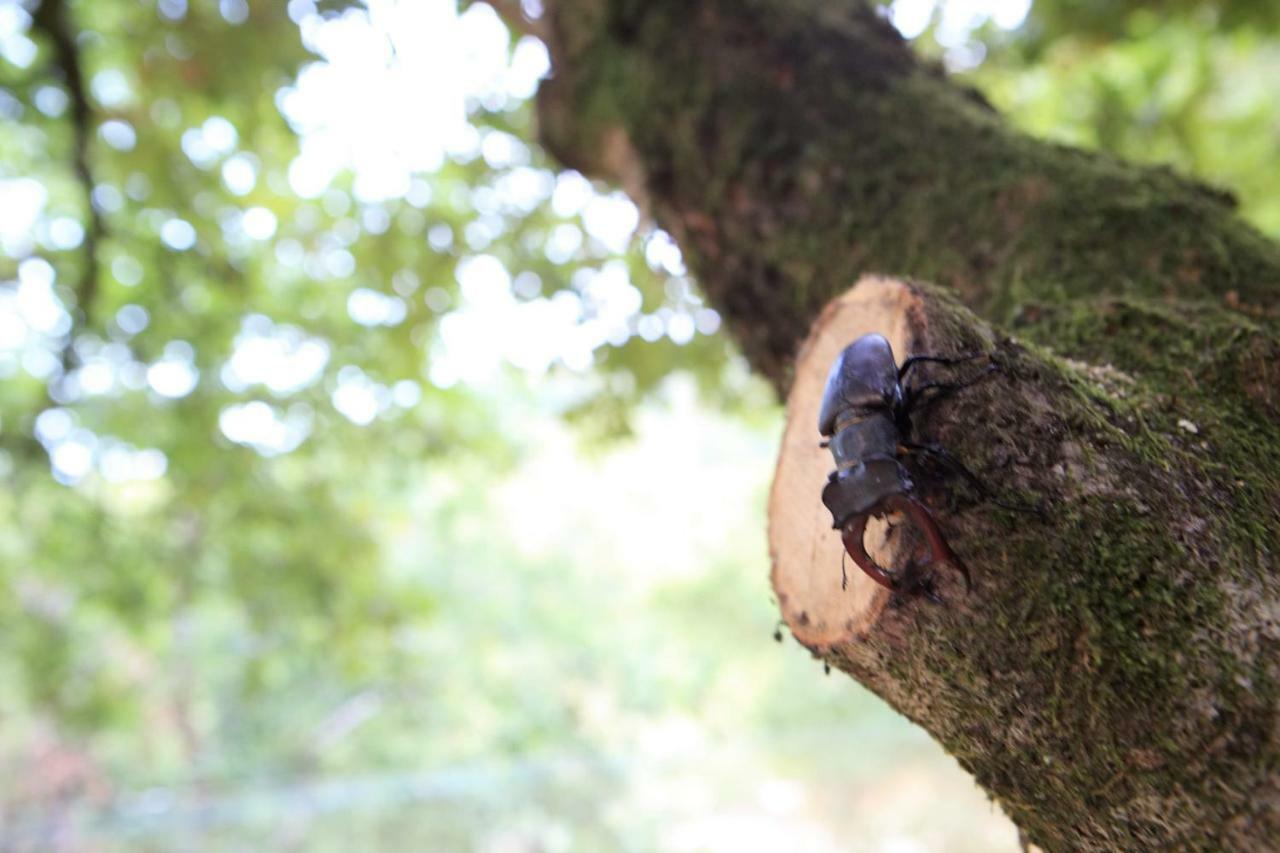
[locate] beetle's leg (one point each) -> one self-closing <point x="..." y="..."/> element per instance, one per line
<point x="939" y="550"/>
<point x="927" y="590"/>
<point x="852" y="537"/>
<point x="915" y="584"/>
<point x="947" y="460"/>
<point x="935" y="359"/>
<point x="915" y="396"/>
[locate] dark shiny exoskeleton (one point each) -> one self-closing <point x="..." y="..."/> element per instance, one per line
<point x="866" y="416"/>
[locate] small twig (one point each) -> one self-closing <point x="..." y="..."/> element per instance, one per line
<point x="51" y="19"/>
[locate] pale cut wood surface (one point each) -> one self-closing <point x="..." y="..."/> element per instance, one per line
<point x="805" y="550"/>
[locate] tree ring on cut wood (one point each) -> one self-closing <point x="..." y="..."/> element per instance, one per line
<point x="805" y="550"/>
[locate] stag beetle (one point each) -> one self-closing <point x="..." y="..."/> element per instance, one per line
<point x="866" y="419"/>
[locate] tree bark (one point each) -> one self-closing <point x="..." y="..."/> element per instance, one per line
<point x="1113" y="678"/>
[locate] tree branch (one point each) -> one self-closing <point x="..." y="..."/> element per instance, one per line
<point x="1114" y="680"/>
<point x="51" y="19"/>
<point x="793" y="145"/>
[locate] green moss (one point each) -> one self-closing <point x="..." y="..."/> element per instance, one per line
<point x="1198" y="366"/>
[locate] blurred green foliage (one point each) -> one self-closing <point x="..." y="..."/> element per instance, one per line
<point x="185" y="142"/>
<point x="294" y="542"/>
<point x="1189" y="84"/>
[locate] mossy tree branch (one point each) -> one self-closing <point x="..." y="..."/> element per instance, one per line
<point x="792" y="145"/>
<point x="1114" y="680"/>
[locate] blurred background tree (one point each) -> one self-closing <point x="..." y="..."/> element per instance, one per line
<point x="368" y="478"/>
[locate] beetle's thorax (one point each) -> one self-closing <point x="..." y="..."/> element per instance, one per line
<point x="867" y="469"/>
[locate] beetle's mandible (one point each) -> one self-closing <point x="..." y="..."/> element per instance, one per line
<point x="866" y="418"/>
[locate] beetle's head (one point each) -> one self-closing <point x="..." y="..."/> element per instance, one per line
<point x="864" y="376"/>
